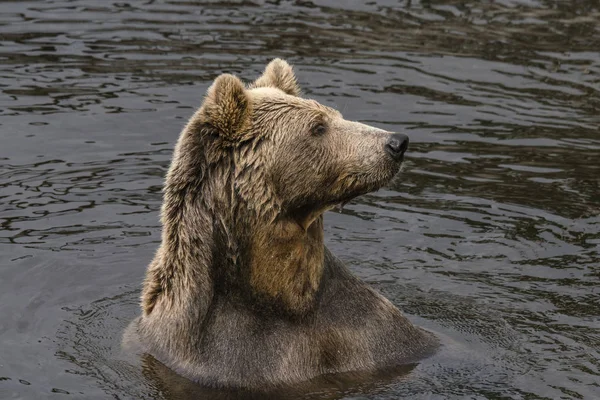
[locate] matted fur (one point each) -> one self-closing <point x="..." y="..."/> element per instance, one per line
<point x="242" y="291"/>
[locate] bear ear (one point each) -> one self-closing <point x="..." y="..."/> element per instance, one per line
<point x="279" y="74"/>
<point x="227" y="106"/>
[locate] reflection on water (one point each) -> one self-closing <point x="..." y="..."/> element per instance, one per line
<point x="490" y="237"/>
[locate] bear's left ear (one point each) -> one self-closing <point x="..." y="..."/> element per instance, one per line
<point x="227" y="107"/>
<point x="279" y="74"/>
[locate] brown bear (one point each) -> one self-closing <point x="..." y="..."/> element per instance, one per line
<point x="242" y="292"/>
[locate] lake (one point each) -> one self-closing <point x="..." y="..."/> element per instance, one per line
<point x="490" y="237"/>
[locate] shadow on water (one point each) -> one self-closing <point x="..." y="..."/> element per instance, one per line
<point x="174" y="387"/>
<point x="490" y="237"/>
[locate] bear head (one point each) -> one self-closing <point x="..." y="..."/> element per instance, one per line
<point x="294" y="157"/>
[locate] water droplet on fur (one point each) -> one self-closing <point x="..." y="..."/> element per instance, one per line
<point x="340" y="206"/>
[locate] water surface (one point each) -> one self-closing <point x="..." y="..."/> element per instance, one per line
<point x="490" y="237"/>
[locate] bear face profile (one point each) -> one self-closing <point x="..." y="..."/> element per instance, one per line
<point x="242" y="292"/>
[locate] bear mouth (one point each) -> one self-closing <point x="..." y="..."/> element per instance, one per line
<point x="367" y="183"/>
<point x="367" y="187"/>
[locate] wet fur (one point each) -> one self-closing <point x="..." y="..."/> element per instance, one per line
<point x="242" y="291"/>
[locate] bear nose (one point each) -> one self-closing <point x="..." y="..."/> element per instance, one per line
<point x="396" y="145"/>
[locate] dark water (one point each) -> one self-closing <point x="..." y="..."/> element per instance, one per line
<point x="490" y="238"/>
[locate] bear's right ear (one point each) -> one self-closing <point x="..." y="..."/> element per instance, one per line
<point x="279" y="74"/>
<point x="227" y="107"/>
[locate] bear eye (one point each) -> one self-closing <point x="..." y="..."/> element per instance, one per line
<point x="319" y="130"/>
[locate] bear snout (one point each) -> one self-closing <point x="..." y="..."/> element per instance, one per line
<point x="396" y="145"/>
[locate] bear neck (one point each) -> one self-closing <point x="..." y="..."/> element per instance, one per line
<point x="278" y="264"/>
<point x="286" y="263"/>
